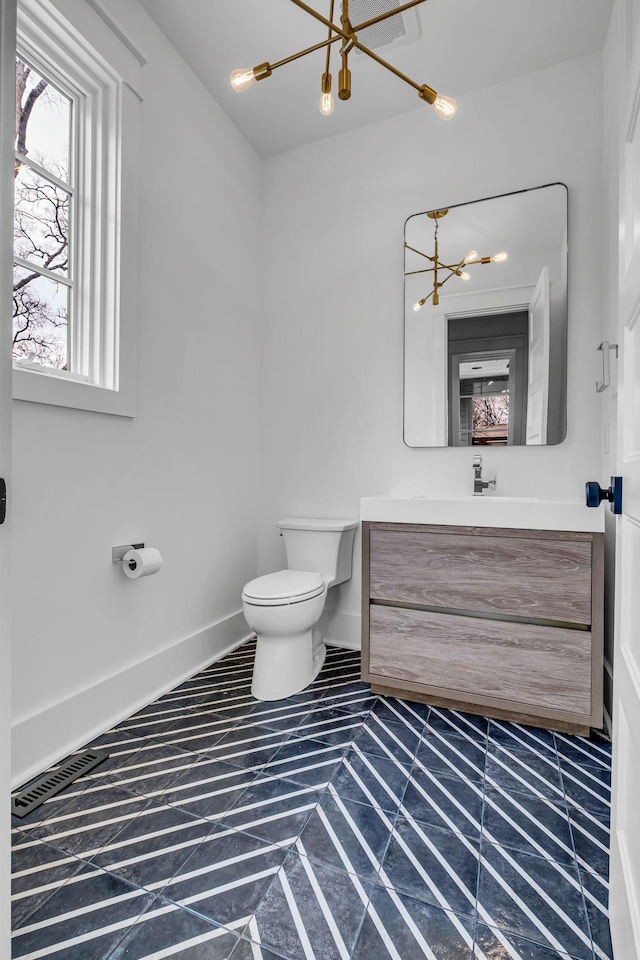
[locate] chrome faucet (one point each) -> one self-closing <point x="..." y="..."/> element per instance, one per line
<point x="480" y="485"/>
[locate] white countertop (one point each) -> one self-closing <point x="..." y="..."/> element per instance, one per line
<point x="525" y="513"/>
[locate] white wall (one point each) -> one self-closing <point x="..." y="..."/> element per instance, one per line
<point x="334" y="214"/>
<point x="180" y="476"/>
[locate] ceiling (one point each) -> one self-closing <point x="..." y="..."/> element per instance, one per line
<point x="464" y="45"/>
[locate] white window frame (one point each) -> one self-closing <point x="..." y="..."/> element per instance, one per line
<point x="100" y="73"/>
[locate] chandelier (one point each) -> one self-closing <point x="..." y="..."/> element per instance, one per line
<point x="454" y="270"/>
<point x="445" y="107"/>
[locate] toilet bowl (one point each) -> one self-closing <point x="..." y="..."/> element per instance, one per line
<point x="285" y="608"/>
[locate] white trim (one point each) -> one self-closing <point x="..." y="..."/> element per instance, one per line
<point x="43" y="738"/>
<point x="342" y="629"/>
<point x="118" y="30"/>
<point x="629" y="887"/>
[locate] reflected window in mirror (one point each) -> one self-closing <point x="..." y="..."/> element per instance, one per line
<point x="507" y="316"/>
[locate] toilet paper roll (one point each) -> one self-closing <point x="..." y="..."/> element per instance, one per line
<point x="141" y="563"/>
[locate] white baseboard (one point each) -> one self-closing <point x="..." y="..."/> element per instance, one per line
<point x="342" y="629"/>
<point x="48" y="736"/>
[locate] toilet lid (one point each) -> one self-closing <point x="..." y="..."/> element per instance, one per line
<point x="285" y="586"/>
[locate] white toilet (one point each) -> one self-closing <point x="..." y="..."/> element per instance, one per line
<point x="284" y="609"/>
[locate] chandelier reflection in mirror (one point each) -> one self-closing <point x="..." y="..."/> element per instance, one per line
<point x="454" y="269"/>
<point x="445" y="107"/>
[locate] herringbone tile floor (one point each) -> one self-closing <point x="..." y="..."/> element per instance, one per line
<point x="334" y="825"/>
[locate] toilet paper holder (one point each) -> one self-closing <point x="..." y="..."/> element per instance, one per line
<point x="117" y="553"/>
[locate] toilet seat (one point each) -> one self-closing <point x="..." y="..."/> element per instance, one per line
<point x="283" y="587"/>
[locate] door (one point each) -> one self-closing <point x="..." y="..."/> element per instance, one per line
<point x="624" y="894"/>
<point x="7" y="112"/>
<point x="538" y="390"/>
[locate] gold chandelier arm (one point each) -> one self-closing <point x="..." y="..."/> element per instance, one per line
<point x="326" y="69"/>
<point x="383" y="63"/>
<point x="426" y="92"/>
<point x="410" y="273"/>
<point x="318" y="16"/>
<point x="425" y="255"/>
<point x="303" y="53"/>
<point x="385" y="16"/>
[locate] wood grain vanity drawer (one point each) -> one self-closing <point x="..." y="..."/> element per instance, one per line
<point x="538" y="665"/>
<point x="541" y="579"/>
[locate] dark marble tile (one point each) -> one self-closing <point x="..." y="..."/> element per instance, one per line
<point x="153" y="847"/>
<point x="555" y="917"/>
<point x="311" y="903"/>
<point x="227" y="876"/>
<point x="360" y="702"/>
<point x="89" y="915"/>
<point x="202" y="731"/>
<point x="451" y="756"/>
<point x="90" y="821"/>
<point x="306" y="761"/>
<point x="495" y="944"/>
<point x="37" y="871"/>
<point x="402" y="711"/>
<point x="370" y="779"/>
<point x="235" y="708"/>
<point x="584" y="751"/>
<point x="596" y="894"/>
<point x="413" y="928"/>
<point x="333" y="726"/>
<point x="340" y="671"/>
<point x="450" y="803"/>
<point x="433" y="865"/>
<point x="518" y="737"/>
<point x="524" y="771"/>
<point x="209" y="787"/>
<point x="454" y="723"/>
<point x="534" y="825"/>
<point x="120" y="747"/>
<point x="248" y="745"/>
<point x="386" y="738"/>
<point x="328" y="687"/>
<point x="151" y="770"/>
<point x="588" y="788"/>
<point x="347" y="835"/>
<point x="167" y="930"/>
<point x="153" y="723"/>
<point x="283" y="715"/>
<point x="591" y="840"/>
<point x="245" y="950"/>
<point x="273" y="809"/>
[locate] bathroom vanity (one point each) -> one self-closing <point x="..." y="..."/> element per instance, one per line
<point x="505" y="621"/>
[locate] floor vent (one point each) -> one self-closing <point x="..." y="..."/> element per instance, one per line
<point x="51" y="783"/>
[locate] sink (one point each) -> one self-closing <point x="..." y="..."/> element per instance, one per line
<point x="526" y="513"/>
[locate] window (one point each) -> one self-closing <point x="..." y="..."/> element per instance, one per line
<point x="44" y="271"/>
<point x="74" y="263"/>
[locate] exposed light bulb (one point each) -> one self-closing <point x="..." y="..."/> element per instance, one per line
<point x="419" y="305"/>
<point x="500" y="257"/>
<point x="464" y="275"/>
<point x="326" y="104"/>
<point x="445" y="107"/>
<point x="472" y="255"/>
<point x="326" y="97"/>
<point x="242" y="79"/>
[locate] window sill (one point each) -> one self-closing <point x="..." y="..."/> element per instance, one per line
<point x="55" y="390"/>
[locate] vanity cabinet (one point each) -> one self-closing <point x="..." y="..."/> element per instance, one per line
<point x="507" y="623"/>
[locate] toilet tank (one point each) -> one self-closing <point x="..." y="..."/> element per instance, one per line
<point x="322" y="546"/>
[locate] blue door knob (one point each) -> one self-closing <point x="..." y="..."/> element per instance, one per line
<point x="595" y="494"/>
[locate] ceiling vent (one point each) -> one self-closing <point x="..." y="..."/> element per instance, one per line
<point x="394" y="32"/>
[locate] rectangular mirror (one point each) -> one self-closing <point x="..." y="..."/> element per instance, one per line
<point x="485" y="322"/>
